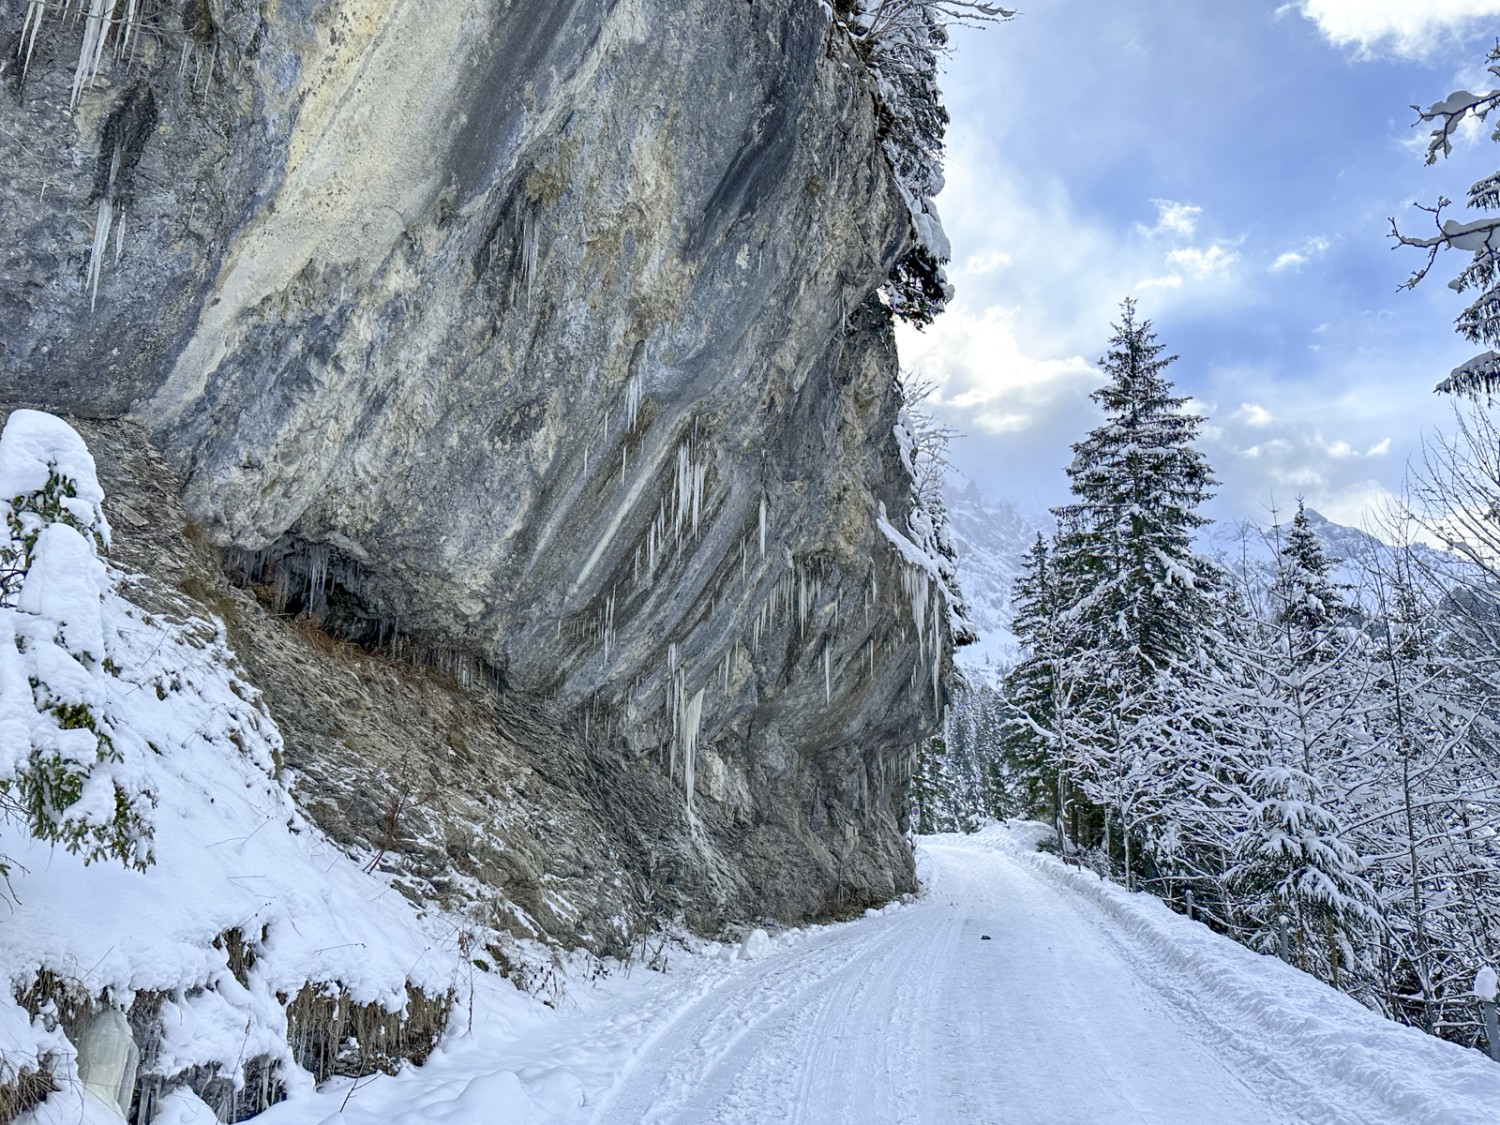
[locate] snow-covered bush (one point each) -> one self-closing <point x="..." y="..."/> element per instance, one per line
<point x="64" y="768"/>
<point x="248" y="955"/>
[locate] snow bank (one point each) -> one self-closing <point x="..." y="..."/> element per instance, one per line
<point x="228" y="901"/>
<point x="1261" y="1008"/>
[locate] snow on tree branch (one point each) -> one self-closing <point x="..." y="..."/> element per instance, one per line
<point x="902" y="42"/>
<point x="1480" y="238"/>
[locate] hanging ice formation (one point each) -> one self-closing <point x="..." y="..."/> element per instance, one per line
<point x="925" y="599"/>
<point x="102" y="224"/>
<point x="528" y="255"/>
<point x="632" y="400"/>
<point x="691" y="723"/>
<point x="108" y="32"/>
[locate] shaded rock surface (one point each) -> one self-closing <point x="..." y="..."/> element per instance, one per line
<point x="533" y="343"/>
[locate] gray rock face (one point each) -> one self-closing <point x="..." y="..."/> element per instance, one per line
<point x="536" y="338"/>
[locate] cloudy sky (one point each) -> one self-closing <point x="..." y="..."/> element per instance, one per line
<point x="1233" y="165"/>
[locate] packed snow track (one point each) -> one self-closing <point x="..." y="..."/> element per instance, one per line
<point x="1015" y="990"/>
<point x="997" y="999"/>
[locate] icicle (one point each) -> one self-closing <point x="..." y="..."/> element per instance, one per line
<point x="937" y="650"/>
<point x="692" y="720"/>
<point x="91" y="51"/>
<point x="131" y="39"/>
<point x="763" y="525"/>
<point x="317" y="578"/>
<point x="101" y="240"/>
<point x="123" y="38"/>
<point x="700" y="480"/>
<point x="120" y="236"/>
<point x="35" y="10"/>
<point x="827" y="676"/>
<point x="632" y="400"/>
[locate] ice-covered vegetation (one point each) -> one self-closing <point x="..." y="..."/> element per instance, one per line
<point x="903" y="42"/>
<point x="172" y="922"/>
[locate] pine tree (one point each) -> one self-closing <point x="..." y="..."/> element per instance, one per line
<point x="1139" y="483"/>
<point x="1031" y="734"/>
<point x="1140" y="605"/>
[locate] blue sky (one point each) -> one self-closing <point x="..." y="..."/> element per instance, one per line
<point x="1233" y="165"/>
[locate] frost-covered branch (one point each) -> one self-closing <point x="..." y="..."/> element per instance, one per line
<point x="884" y="20"/>
<point x="902" y="42"/>
<point x="1452" y="111"/>
<point x="1480" y="238"/>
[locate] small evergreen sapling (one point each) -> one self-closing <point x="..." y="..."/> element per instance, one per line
<point x="58" y="751"/>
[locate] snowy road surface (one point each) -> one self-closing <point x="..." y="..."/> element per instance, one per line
<point x="1085" y="1005"/>
<point x="915" y="1017"/>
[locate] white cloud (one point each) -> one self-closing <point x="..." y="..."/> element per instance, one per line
<point x="1166" y="281"/>
<point x="1253" y="414"/>
<point x="1311" y="250"/>
<point x="1203" y="264"/>
<point x="1174" y="218"/>
<point x="986" y="381"/>
<point x="1273" y="448"/>
<point x="1357" y="504"/>
<point x="1401" y="27"/>
<point x="981" y="264"/>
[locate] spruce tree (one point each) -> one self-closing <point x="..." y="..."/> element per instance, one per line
<point x="1128" y="537"/>
<point x="1140" y="605"/>
<point x="1305" y="722"/>
<point x="1030" y="734"/>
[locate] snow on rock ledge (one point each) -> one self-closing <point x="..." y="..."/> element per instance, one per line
<point x="209" y="902"/>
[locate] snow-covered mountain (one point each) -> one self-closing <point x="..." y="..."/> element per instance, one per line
<point x="1354" y="552"/>
<point x="991" y="537"/>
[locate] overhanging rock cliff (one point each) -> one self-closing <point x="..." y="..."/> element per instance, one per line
<point x="535" y="343"/>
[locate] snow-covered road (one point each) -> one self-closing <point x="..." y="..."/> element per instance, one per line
<point x="916" y="1017"/>
<point x="1085" y="1004"/>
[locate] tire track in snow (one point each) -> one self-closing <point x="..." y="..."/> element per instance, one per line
<point x="732" y="1024"/>
<point x="910" y="1018"/>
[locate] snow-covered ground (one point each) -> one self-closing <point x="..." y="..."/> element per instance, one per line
<point x="1085" y="1004"/>
<point x="214" y="899"/>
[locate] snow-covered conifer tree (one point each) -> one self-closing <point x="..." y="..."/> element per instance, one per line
<point x="1301" y="730"/>
<point x="1141" y="604"/>
<point x="1032" y="735"/>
